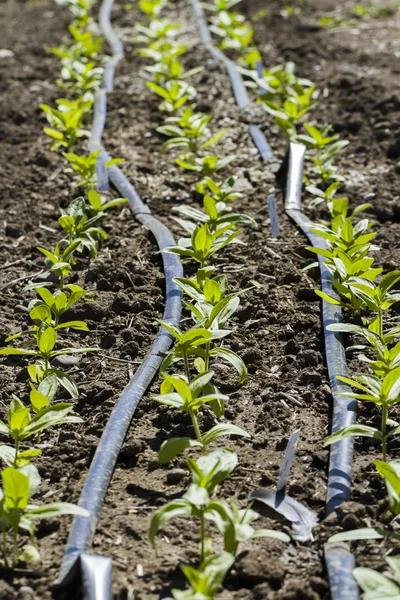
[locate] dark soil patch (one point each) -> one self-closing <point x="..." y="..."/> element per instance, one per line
<point x="277" y="329"/>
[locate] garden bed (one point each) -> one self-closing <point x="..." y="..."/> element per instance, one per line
<point x="277" y="329"/>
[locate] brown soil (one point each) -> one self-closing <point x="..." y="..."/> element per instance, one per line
<point x="277" y="329"/>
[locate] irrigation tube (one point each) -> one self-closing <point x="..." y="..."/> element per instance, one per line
<point x="94" y="573"/>
<point x="238" y="87"/>
<point x="339" y="561"/>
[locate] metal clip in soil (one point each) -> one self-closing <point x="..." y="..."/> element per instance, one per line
<point x="338" y="560"/>
<point x="303" y="519"/>
<point x="94" y="573"/>
<point x="238" y="87"/>
<point x="273" y="216"/>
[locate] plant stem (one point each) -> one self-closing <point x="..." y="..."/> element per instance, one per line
<point x="16" y="453"/>
<point x="207" y="358"/>
<point x="46" y="364"/>
<point x="15" y="546"/>
<point x="380" y="324"/>
<point x="385" y="410"/>
<point x="4" y="549"/>
<point x="187" y="369"/>
<point x="202" y="534"/>
<point x="195" y="426"/>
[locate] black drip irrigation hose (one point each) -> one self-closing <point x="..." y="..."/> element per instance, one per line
<point x="94" y="573"/>
<point x="339" y="561"/>
<point x="238" y="87"/>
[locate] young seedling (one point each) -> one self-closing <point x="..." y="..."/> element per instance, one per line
<point x="85" y="166"/>
<point x="66" y="122"/>
<point x="157" y="31"/>
<point x="25" y="422"/>
<point x="175" y="94"/>
<point x="203" y="243"/>
<point x="233" y="30"/>
<point x="81" y="228"/>
<point x="207" y="472"/>
<point x="215" y="214"/>
<point x="205" y="581"/>
<point x="59" y="263"/>
<point x="189" y="398"/>
<point x="46" y="339"/>
<point x="206" y="165"/>
<point x="191" y="133"/>
<point x="235" y="525"/>
<point x="83" y="78"/>
<point x="152" y="8"/>
<point x="16" y="513"/>
<point x="381" y="392"/>
<point x="220" y="192"/>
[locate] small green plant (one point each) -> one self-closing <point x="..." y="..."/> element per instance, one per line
<point x="207" y="472"/>
<point x="233" y="30"/>
<point x="16" y="513"/>
<point x="158" y="30"/>
<point x="82" y="78"/>
<point x="81" y="228"/>
<point x="83" y="47"/>
<point x="26" y="422"/>
<point x="175" y="94"/>
<point x="290" y="113"/>
<point x="220" y="192"/>
<point x="216" y="214"/>
<point x="203" y="243"/>
<point x="66" y="122"/>
<point x="152" y="8"/>
<point x="189" y="132"/>
<point x="205" y="581"/>
<point x="45" y="339"/>
<point x="279" y="83"/>
<point x="205" y="165"/>
<point x="85" y="166"/>
<point x="376" y="585"/>
<point x="381" y="392"/>
<point x="189" y="398"/>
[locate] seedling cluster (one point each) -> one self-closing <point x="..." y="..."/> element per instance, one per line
<point x="189" y="383"/>
<point x="361" y="288"/>
<point x="46" y="336"/>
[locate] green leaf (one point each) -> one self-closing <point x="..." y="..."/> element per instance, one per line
<point x="365" y="533"/>
<point x="223" y="429"/>
<point x="175" y="508"/>
<point x="197" y="495"/>
<point x="16" y="489"/>
<point x="379" y="586"/>
<point x="174" y="446"/>
<point x="233" y="359"/>
<point x="47" y="340"/>
<point x="18" y="351"/>
<point x="38" y="400"/>
<point x="353" y="431"/>
<point x="328" y="298"/>
<point x="391" y="386"/>
<point x="48" y="386"/>
<point x="56" y="509"/>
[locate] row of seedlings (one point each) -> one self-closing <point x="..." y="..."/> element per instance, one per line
<point x="349" y="257"/>
<point x="54" y="296"/>
<point x="188" y="381"/>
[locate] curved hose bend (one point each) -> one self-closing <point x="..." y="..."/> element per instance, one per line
<point x="238" y="87"/>
<point x="103" y="463"/>
<point x="339" y="561"/>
